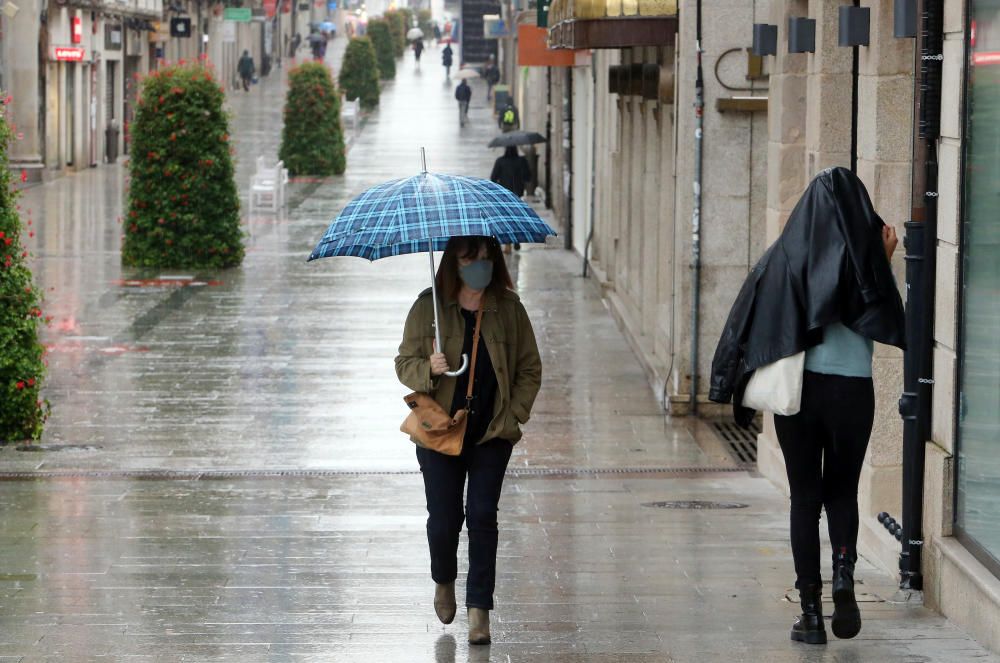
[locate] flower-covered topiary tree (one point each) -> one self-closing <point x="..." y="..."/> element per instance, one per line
<point x="397" y="28"/>
<point x="22" y="364"/>
<point x="183" y="208"/>
<point x="378" y="31"/>
<point x="359" y="73"/>
<point x="312" y="142"/>
<point x="425" y="22"/>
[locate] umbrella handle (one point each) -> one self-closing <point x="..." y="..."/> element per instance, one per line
<point x="465" y="367"/>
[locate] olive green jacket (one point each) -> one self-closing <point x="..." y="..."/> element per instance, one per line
<point x="510" y="341"/>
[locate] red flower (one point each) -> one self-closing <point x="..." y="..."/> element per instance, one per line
<point x="8" y="241"/>
<point x="7" y="100"/>
<point x="20" y="385"/>
<point x="31" y="233"/>
<point x="24" y="176"/>
<point x="31" y="382"/>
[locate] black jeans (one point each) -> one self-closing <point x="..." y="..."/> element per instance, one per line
<point x="444" y="483"/>
<point x="824" y="447"/>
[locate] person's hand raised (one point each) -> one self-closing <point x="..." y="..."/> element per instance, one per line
<point x="439" y="363"/>
<point x="889" y="240"/>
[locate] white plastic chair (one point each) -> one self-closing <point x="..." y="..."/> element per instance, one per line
<point x="267" y="186"/>
<point x="350" y="111"/>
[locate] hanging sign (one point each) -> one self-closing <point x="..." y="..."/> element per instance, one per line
<point x="270" y="8"/>
<point x="68" y="54"/>
<point x="238" y="14"/>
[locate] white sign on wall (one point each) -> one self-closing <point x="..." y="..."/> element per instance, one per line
<point x="229" y="32"/>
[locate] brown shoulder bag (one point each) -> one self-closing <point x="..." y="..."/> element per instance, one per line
<point x="429" y="423"/>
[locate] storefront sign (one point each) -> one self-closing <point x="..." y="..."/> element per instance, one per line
<point x="77" y="34"/>
<point x="270" y="8"/>
<point x="180" y="27"/>
<point x="228" y="32"/>
<point x="533" y="52"/>
<point x="238" y="14"/>
<point x="68" y="54"/>
<point x="494" y="27"/>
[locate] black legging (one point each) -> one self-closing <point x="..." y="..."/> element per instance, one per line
<point x="824" y="447"/>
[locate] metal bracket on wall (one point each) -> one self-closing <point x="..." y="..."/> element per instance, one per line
<point x="741" y="104"/>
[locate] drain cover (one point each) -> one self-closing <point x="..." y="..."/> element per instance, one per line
<point x="696" y="504"/>
<point x="740" y="442"/>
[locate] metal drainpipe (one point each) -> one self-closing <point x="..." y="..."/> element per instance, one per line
<point x="548" y="138"/>
<point x="920" y="244"/>
<point x="593" y="168"/>
<point x="568" y="156"/>
<point x="699" y="112"/>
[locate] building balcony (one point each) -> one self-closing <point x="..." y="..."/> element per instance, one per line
<point x="584" y="24"/>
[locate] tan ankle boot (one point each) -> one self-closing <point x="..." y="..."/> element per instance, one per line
<point x="479" y="626"/>
<point x="444" y="602"/>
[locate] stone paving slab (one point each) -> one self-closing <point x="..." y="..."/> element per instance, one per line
<point x="165" y="531"/>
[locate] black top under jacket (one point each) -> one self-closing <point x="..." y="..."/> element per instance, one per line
<point x="828" y="265"/>
<point x="484" y="390"/>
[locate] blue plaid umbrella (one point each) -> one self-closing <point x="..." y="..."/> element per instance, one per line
<point x="421" y="213"/>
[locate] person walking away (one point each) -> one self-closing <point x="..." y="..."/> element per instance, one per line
<point x="294" y="47"/>
<point x="437" y="35"/>
<point x="245" y="68"/>
<point x="316" y="44"/>
<point x="446" y="60"/>
<point x="829" y="291"/>
<point x="481" y="314"/>
<point x="509" y="119"/>
<point x="512" y="172"/>
<point x="492" y="76"/>
<point x="418" y="48"/>
<point x="463" y="93"/>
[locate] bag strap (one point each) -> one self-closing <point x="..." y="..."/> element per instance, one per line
<point x="475" y="353"/>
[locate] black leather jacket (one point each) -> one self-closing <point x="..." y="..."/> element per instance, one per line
<point x="827" y="266"/>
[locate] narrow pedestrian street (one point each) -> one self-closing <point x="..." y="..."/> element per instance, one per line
<point x="223" y="479"/>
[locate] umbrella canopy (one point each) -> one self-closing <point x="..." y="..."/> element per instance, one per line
<point x="327" y="26"/>
<point x="415" y="33"/>
<point x="421" y="213"/>
<point x="517" y="138"/>
<point x="466" y="73"/>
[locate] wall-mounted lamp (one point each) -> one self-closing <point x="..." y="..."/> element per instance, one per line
<point x="855" y="24"/>
<point x="765" y="39"/>
<point x="801" y="35"/>
<point x="904" y="19"/>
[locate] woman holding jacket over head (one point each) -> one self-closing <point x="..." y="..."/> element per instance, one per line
<point x="824" y="287"/>
<point x="471" y="278"/>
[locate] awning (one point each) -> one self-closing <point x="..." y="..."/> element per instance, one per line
<point x="580" y="24"/>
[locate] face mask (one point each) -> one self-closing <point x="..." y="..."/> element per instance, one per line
<point x="477" y="275"/>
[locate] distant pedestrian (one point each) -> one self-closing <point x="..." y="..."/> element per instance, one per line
<point x="246" y="69"/>
<point x="476" y="291"/>
<point x="512" y="172"/>
<point x="418" y="49"/>
<point x="317" y="44"/>
<point x="446" y="60"/>
<point x="509" y="119"/>
<point x="437" y="34"/>
<point x="294" y="47"/>
<point x="492" y="75"/>
<point x="824" y="288"/>
<point x="463" y="93"/>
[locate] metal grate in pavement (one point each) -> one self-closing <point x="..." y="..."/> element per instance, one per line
<point x="215" y="475"/>
<point x="696" y="505"/>
<point x="741" y="443"/>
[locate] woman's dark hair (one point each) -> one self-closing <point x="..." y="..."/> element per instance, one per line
<point x="511" y="151"/>
<point x="448" y="280"/>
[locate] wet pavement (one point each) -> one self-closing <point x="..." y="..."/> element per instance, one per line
<point x="223" y="478"/>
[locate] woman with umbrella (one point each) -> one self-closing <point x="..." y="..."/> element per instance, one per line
<point x="481" y="315"/>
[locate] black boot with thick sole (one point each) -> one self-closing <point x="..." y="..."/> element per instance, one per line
<point x="846" y="622"/>
<point x="808" y="627"/>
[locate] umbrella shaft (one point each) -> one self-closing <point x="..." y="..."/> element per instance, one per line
<point x="437" y="326"/>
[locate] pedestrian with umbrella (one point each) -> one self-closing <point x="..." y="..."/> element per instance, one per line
<point x="446" y="60"/>
<point x="317" y="44"/>
<point x="463" y="422"/>
<point x="418" y="49"/>
<point x="512" y="172"/>
<point x="526" y="140"/>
